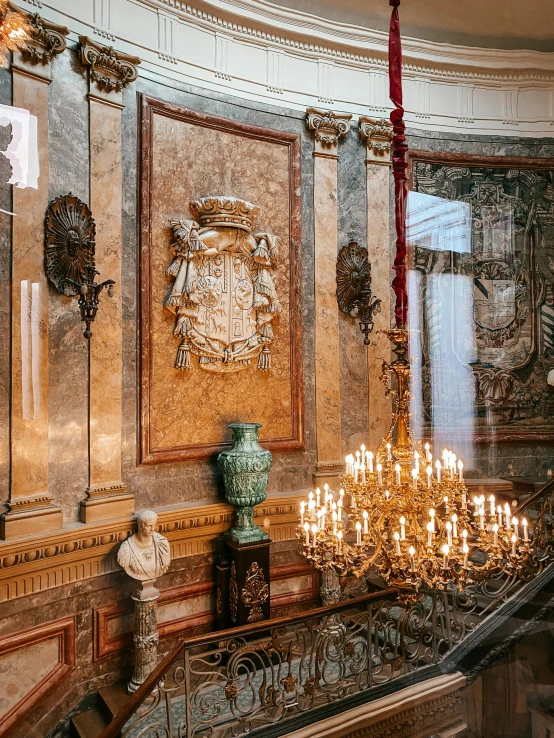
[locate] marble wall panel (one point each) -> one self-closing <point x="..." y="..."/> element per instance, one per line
<point x="29" y="359"/>
<point x="328" y="399"/>
<point x="5" y="303"/>
<point x="190" y="161"/>
<point x="172" y="483"/>
<point x="68" y="143"/>
<point x="352" y="226"/>
<point x="23" y="670"/>
<point x="105" y="349"/>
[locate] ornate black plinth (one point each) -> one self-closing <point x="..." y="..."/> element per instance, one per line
<point x="243" y="583"/>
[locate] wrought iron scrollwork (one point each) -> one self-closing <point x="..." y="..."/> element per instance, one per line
<point x="354" y="287"/>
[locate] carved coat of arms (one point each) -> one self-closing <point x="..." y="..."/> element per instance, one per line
<point x="223" y="295"/>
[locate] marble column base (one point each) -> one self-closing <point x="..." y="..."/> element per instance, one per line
<point x="105" y="502"/>
<point x="26" y="517"/>
<point x="328" y="472"/>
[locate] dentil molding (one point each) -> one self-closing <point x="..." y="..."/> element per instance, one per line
<point x="258" y="51"/>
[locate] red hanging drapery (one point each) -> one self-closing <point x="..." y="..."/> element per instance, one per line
<point x="399" y="165"/>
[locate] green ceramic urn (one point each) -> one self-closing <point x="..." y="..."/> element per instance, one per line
<point x="245" y="468"/>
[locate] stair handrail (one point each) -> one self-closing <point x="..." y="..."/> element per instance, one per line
<point x="548" y="486"/>
<point x="113" y="730"/>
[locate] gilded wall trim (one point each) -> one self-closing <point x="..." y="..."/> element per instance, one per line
<point x="36" y="564"/>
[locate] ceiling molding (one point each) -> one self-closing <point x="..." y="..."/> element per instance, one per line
<point x="256" y="51"/>
<point x="312" y="33"/>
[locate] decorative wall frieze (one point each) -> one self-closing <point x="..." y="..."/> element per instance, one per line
<point x="109" y="70"/>
<point x="377" y="133"/>
<point x="46" y="39"/>
<point x="36" y="564"/>
<point x="328" y="127"/>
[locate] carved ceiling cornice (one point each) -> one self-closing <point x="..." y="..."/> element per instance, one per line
<point x="109" y="69"/>
<point x="45" y="38"/>
<point x="328" y="127"/>
<point x="317" y="36"/>
<point x="377" y="133"/>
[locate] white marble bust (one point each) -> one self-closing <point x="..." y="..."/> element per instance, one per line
<point x="145" y="555"/>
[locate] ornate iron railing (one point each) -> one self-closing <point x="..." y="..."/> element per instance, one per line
<point x="284" y="672"/>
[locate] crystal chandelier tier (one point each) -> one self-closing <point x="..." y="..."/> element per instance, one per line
<point x="410" y="515"/>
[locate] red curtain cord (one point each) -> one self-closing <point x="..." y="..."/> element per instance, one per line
<point x="399" y="165"/>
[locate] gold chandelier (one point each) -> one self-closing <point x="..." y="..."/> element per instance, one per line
<point x="408" y="514"/>
<point x="14" y="30"/>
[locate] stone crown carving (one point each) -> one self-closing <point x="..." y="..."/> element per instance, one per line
<point x="111" y="70"/>
<point x="45" y="38"/>
<point x="224" y="212"/>
<point x="377" y="134"/>
<point x="328" y="126"/>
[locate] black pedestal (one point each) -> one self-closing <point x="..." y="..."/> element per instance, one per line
<point x="243" y="585"/>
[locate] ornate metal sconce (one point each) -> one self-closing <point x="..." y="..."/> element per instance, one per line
<point x="69" y="251"/>
<point x="89" y="294"/>
<point x="354" y="287"/>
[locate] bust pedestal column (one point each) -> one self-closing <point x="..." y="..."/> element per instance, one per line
<point x="328" y="128"/>
<point x="145" y="556"/>
<point x="145" y="637"/>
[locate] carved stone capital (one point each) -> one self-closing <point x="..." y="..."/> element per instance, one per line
<point x="45" y="40"/>
<point x="109" y="70"/>
<point x="377" y="133"/>
<point x="328" y="128"/>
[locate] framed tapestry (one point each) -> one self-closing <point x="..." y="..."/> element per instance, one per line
<point x="220" y="303"/>
<point x="481" y="241"/>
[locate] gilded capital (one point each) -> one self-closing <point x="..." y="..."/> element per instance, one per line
<point x="377" y="134"/>
<point x="44" y="38"/>
<point x="328" y="128"/>
<point x="109" y="70"/>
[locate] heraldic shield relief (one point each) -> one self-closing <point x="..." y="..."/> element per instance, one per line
<point x="223" y="296"/>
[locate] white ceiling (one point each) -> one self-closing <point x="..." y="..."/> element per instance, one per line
<point x="502" y="24"/>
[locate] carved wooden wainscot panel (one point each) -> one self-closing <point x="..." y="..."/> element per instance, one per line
<point x="220" y="314"/>
<point x="482" y="234"/>
<point x="224" y="294"/>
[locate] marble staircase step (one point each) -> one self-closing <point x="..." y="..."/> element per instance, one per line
<point x="89" y="724"/>
<point x="111" y="699"/>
